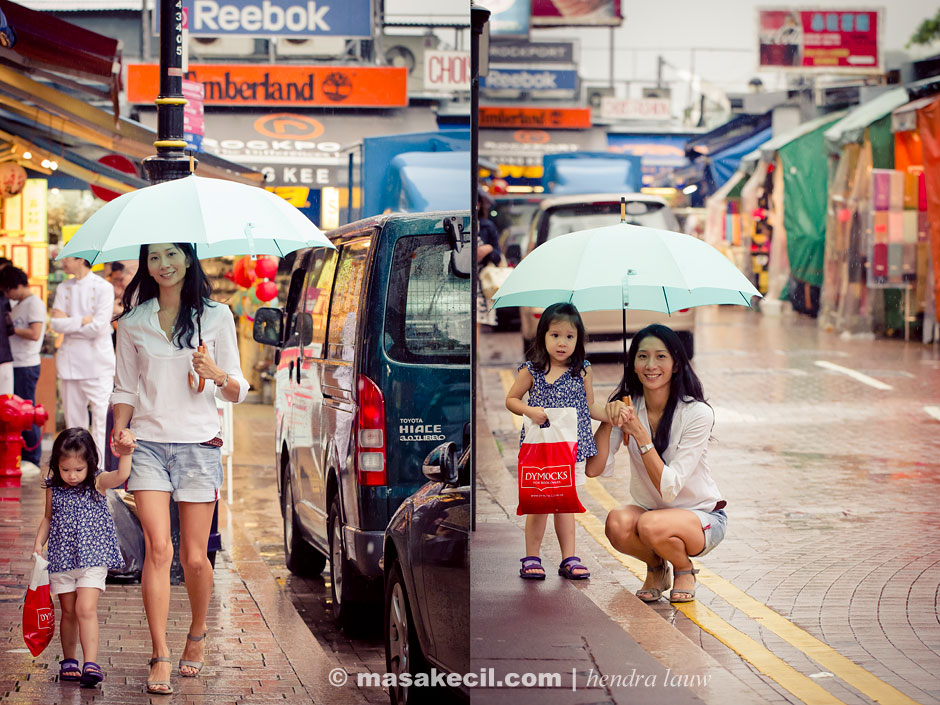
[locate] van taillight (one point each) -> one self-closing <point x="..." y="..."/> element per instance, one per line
<point x="370" y="435"/>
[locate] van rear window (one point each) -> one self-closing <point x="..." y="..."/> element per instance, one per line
<point x="427" y="316"/>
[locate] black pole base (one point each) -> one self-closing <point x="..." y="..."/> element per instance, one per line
<point x="160" y="168"/>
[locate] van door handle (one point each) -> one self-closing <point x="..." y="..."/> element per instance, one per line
<point x="327" y="396"/>
<point x="290" y="369"/>
<point x="298" y="372"/>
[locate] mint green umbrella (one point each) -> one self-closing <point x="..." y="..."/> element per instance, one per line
<point x="625" y="267"/>
<point x="218" y="217"/>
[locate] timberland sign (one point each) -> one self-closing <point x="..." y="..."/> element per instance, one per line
<point x="258" y="84"/>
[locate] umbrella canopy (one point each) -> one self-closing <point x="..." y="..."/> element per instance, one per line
<point x="218" y="217"/>
<point x="625" y="266"/>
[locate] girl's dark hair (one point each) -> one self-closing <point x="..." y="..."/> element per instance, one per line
<point x="538" y="353"/>
<point x="77" y="441"/>
<point x="684" y="385"/>
<point x="193" y="298"/>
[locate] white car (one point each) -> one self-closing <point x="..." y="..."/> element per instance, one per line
<point x="567" y="214"/>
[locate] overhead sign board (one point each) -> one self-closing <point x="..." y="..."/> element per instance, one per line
<point x="509" y="18"/>
<point x="576" y="13"/>
<point x="530" y="80"/>
<point x="541" y="118"/>
<point x="527" y="147"/>
<point x="635" y="108"/>
<point x="508" y="51"/>
<point x="839" y="40"/>
<point x="264" y="84"/>
<point x="277" y="18"/>
<point x="446" y="70"/>
<point x="194" y="122"/>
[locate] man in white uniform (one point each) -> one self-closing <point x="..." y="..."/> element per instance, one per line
<point x="85" y="361"/>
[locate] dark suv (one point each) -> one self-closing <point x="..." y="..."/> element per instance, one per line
<point x="373" y="373"/>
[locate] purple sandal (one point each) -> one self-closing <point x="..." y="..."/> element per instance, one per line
<point x="569" y="565"/>
<point x="69" y="665"/>
<point x="91" y="675"/>
<point x="529" y="565"/>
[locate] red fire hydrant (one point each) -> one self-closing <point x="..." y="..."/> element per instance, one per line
<point x="16" y="416"/>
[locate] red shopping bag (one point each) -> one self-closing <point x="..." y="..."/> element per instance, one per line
<point x="38" y="612"/>
<point x="546" y="465"/>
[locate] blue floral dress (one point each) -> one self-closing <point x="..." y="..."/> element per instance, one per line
<point x="564" y="392"/>
<point x="81" y="533"/>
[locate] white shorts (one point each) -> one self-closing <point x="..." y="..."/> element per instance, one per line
<point x="579" y="477"/>
<point x="71" y="580"/>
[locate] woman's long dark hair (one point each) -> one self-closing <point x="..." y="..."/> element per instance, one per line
<point x="74" y="441"/>
<point x="684" y="386"/>
<point x="539" y="353"/>
<point x="193" y="298"/>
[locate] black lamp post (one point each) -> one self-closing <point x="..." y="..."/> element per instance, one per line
<point x="170" y="162"/>
<point x="479" y="16"/>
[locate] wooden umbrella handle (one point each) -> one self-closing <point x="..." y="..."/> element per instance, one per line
<point x="197" y="383"/>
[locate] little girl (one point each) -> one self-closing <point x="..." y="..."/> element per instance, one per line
<point x="82" y="544"/>
<point x="558" y="376"/>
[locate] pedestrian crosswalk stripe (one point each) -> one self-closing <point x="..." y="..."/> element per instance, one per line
<point x="507" y="378"/>
<point x="772" y="666"/>
<point x="863" y="378"/>
<point x="823" y="654"/>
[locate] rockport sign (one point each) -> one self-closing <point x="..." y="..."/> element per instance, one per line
<point x="279" y="18"/>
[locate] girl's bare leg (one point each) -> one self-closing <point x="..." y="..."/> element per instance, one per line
<point x="565" y="529"/>
<point x="534" y="533"/>
<point x="86" y="610"/>
<point x="68" y="625"/>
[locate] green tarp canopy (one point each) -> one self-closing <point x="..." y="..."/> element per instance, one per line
<point x="805" y="177"/>
<point x="770" y="148"/>
<point x="851" y="128"/>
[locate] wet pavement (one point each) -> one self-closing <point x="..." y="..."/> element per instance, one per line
<point x="826" y="586"/>
<point x="259" y="648"/>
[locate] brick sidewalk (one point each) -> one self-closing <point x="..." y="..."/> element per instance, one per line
<point x="258" y="650"/>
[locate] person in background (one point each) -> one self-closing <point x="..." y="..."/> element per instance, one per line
<point x="82" y="311"/>
<point x="6" y="354"/>
<point x="29" y="326"/>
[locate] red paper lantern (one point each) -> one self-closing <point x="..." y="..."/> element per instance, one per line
<point x="12" y="178"/>
<point x="244" y="272"/>
<point x="266" y="267"/>
<point x="265" y="291"/>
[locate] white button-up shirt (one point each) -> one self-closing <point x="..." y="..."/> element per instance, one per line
<point x="87" y="351"/>
<point x="686" y="482"/>
<point x="151" y="375"/>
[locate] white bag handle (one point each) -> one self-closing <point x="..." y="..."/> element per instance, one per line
<point x="40" y="574"/>
<point x="562" y="427"/>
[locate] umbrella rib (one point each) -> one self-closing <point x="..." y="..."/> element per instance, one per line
<point x="666" y="301"/>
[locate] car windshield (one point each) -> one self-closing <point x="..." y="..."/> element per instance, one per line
<point x="427" y="316"/>
<point x="562" y="220"/>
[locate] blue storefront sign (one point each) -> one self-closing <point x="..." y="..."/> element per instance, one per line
<point x="530" y="80"/>
<point x="661" y="154"/>
<point x="299" y="19"/>
<point x="510" y="18"/>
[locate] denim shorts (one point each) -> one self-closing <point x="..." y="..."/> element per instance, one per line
<point x="191" y="471"/>
<point x="71" y="580"/>
<point x="714" y="525"/>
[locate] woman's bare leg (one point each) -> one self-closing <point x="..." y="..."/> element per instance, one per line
<point x="153" y="510"/>
<point x="195" y="522"/>
<point x="674" y="534"/>
<point x="621" y="530"/>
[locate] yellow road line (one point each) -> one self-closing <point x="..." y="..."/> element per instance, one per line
<point x="507" y="378"/>
<point x="820" y="652"/>
<point x="803" y="687"/>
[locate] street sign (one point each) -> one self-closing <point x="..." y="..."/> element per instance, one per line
<point x="276" y="18"/>
<point x="194" y="124"/>
<point x="816" y="40"/>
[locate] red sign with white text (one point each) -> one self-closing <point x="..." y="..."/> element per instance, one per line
<point x="835" y="40"/>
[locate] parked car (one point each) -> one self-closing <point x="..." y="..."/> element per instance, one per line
<point x="373" y="371"/>
<point x="560" y="215"/>
<point x="427" y="578"/>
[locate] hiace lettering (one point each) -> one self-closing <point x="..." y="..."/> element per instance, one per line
<point x="210" y="15"/>
<point x="417" y="430"/>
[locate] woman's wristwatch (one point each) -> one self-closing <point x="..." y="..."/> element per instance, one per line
<point x="644" y="449"/>
<point x="223" y="383"/>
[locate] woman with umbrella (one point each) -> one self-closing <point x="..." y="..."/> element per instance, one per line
<point x="170" y="327"/>
<point x="666" y="423"/>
